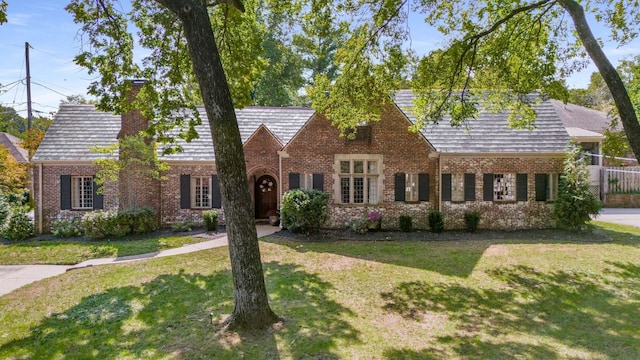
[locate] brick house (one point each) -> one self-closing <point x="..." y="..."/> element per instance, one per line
<point x="509" y="175"/>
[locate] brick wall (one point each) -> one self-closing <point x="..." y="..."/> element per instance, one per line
<point x="171" y="212"/>
<point x="313" y="150"/>
<point x="51" y="207"/>
<point x="501" y="215"/>
<point x="261" y="157"/>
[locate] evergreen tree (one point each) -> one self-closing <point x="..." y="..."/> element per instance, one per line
<point x="575" y="203"/>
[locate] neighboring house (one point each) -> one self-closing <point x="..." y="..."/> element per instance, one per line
<point x="12" y="143"/>
<point x="508" y="175"/>
<point x="586" y="127"/>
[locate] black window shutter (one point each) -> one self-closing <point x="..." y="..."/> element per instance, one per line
<point x="185" y="191"/>
<point x="318" y="181"/>
<point x="541" y="187"/>
<point x="65" y="192"/>
<point x="487" y="187"/>
<point x="216" y="197"/>
<point x="399" y="186"/>
<point x="98" y="199"/>
<point x="521" y="187"/>
<point x="294" y="181"/>
<point x="446" y="187"/>
<point x="470" y="187"/>
<point x="423" y="187"/>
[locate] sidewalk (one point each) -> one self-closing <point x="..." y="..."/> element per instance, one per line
<point x="15" y="276"/>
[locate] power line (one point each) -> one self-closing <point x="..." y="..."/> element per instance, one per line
<point x="12" y="83"/>
<point x="50" y="84"/>
<point x="21" y="68"/>
<point x="50" y="89"/>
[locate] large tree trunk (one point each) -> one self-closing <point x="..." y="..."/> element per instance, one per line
<point x="609" y="74"/>
<point x="251" y="306"/>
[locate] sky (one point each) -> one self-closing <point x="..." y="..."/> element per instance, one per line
<point x="54" y="40"/>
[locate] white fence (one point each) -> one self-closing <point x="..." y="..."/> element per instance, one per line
<point x="620" y="180"/>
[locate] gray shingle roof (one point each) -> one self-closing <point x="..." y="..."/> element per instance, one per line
<point x="77" y="128"/>
<point x="576" y="116"/>
<point x="12" y="144"/>
<point x="489" y="133"/>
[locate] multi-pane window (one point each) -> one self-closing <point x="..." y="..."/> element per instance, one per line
<point x="306" y="181"/>
<point x="504" y="187"/>
<point x="552" y="187"/>
<point x="200" y="191"/>
<point x="411" y="187"/>
<point x="547" y="187"/>
<point x="82" y="192"/>
<point x="457" y="187"/>
<point x="358" y="181"/>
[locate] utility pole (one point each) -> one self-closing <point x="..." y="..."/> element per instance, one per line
<point x="29" y="113"/>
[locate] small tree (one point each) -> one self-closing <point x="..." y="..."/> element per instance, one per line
<point x="575" y="203"/>
<point x="137" y="159"/>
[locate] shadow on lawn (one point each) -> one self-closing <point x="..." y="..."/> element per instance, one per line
<point x="584" y="312"/>
<point x="170" y="317"/>
<point x="448" y="253"/>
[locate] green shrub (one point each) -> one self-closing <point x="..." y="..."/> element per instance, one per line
<point x="18" y="225"/>
<point x="471" y="221"/>
<point x="210" y="218"/>
<point x="436" y="221"/>
<point x="405" y="223"/>
<point x="138" y="220"/>
<point x="67" y="228"/>
<point x="359" y="226"/>
<point x="304" y="211"/>
<point x="183" y="226"/>
<point x="5" y="209"/>
<point x="103" y="224"/>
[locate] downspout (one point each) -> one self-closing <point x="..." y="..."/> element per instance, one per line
<point x="40" y="198"/>
<point x="439" y="182"/>
<point x="280" y="179"/>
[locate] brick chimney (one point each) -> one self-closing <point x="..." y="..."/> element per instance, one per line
<point x="133" y="122"/>
<point x="135" y="186"/>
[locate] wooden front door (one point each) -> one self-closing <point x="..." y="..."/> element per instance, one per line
<point x="266" y="195"/>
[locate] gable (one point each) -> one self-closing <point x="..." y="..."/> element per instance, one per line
<point x="389" y="134"/>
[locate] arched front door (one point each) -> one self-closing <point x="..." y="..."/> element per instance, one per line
<point x="266" y="195"/>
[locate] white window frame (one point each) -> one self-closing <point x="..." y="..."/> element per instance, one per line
<point x="504" y="187"/>
<point x="457" y="187"/>
<point x="411" y="188"/>
<point x="553" y="180"/>
<point x="200" y="192"/>
<point x="368" y="179"/>
<point x="306" y="181"/>
<point x="82" y="192"/>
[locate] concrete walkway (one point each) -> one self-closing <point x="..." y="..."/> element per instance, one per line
<point x="15" y="276"/>
<point x="623" y="216"/>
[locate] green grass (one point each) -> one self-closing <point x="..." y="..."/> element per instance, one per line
<point x="532" y="298"/>
<point x="76" y="250"/>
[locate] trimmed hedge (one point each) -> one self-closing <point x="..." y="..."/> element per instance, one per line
<point x="110" y="223"/>
<point x="304" y="211"/>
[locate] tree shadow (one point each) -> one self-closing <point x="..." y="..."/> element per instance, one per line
<point x="449" y="253"/>
<point x="586" y="312"/>
<point x="440" y="257"/>
<point x="179" y="315"/>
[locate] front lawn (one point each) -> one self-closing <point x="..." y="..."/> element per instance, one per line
<point x="535" y="298"/>
<point x="76" y="250"/>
